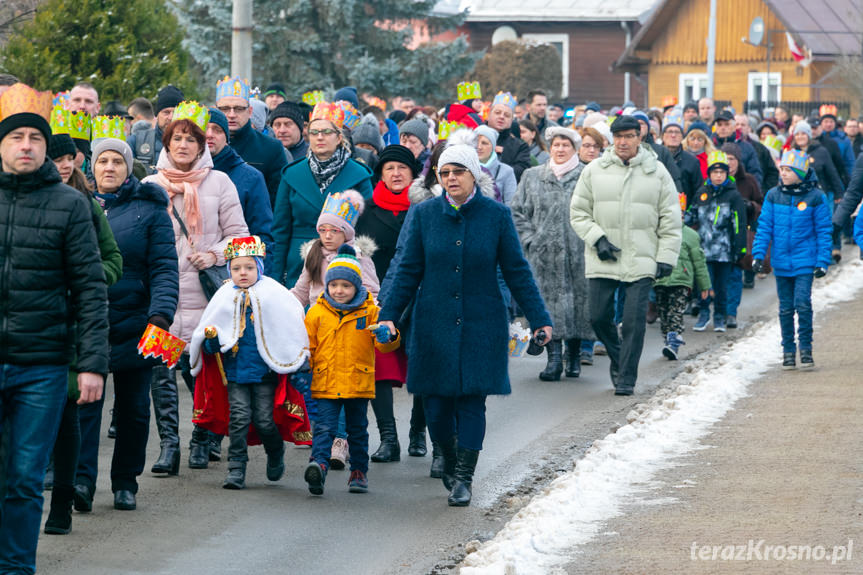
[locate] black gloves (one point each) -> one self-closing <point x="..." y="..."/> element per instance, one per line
<point x="758" y="266"/>
<point x="820" y="272"/>
<point x="663" y="270"/>
<point x="605" y="249"/>
<point x="159" y="321"/>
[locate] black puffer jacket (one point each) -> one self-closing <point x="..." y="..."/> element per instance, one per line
<point x="51" y="274"/>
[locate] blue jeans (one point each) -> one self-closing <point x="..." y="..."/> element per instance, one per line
<point x="462" y="416"/>
<point x="326" y="426"/>
<point x="795" y="295"/>
<point x="719" y="278"/>
<point x="31" y="406"/>
<point x="735" y="290"/>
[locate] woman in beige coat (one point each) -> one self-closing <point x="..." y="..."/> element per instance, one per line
<point x="207" y="202"/>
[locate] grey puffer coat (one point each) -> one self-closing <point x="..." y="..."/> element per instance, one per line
<point x="553" y="249"/>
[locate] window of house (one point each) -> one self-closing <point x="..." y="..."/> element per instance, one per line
<point x="561" y="43"/>
<point x="763" y="88"/>
<point x="692" y="87"/>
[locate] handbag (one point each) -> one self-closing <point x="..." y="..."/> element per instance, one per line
<point x="211" y="278"/>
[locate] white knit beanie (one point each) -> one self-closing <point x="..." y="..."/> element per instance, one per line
<point x="463" y="156"/>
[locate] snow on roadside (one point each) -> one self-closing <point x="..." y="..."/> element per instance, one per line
<point x="574" y="507"/>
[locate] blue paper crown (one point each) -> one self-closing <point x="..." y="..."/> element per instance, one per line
<point x="505" y="98"/>
<point x="795" y="159"/>
<point x="342" y="208"/>
<point x="233" y="87"/>
<point x="674" y="118"/>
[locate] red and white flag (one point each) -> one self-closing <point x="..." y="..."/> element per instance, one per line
<point x="801" y="56"/>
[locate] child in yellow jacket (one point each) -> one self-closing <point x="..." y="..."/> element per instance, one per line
<point x="343" y="336"/>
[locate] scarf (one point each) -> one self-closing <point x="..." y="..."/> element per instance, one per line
<point x="178" y="182"/>
<point x="360" y="298"/>
<point x="560" y="170"/>
<point x="326" y="171"/>
<point x="453" y="203"/>
<point x="487" y="164"/>
<point x="388" y="200"/>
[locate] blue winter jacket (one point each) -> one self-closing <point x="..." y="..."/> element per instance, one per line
<point x="138" y="216"/>
<point x="392" y="136"/>
<point x="246" y="365"/>
<point x="795" y="221"/>
<point x="252" y="189"/>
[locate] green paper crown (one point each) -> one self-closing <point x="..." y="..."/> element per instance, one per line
<point x="446" y="129"/>
<point x="469" y="91"/>
<point x="315" y="97"/>
<point x="199" y="115"/>
<point x="77" y="125"/>
<point x="109" y="127"/>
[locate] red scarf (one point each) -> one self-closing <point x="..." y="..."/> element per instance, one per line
<point x="387" y="200"/>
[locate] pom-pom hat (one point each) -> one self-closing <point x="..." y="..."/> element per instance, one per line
<point x="345" y="266"/>
<point x="342" y="210"/>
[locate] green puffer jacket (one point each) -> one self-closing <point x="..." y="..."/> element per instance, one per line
<point x="112" y="263"/>
<point x="636" y="206"/>
<point x="691" y="265"/>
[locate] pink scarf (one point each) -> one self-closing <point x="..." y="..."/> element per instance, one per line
<point x="179" y="182"/>
<point x="560" y="170"/>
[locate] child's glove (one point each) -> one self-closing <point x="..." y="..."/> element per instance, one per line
<point x="663" y="270"/>
<point x="302" y="381"/>
<point x="820" y="272"/>
<point x="758" y="266"/>
<point x="382" y="334"/>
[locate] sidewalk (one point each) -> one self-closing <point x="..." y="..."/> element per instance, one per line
<point x="783" y="470"/>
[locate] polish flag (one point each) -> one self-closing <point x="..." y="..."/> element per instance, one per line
<point x="802" y="57"/>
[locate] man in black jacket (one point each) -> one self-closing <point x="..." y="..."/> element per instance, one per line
<point x="511" y="149"/>
<point x="687" y="164"/>
<point x="53" y="308"/>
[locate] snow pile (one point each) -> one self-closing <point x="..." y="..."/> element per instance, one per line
<point x="574" y="507"/>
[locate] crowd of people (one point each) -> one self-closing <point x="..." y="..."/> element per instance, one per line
<point x="314" y="255"/>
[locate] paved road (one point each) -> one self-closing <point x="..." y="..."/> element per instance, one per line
<point x="189" y="525"/>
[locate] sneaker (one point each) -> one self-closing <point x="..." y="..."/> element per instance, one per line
<point x="339" y="453"/>
<point x="806" y="361"/>
<point x="358" y="483"/>
<point x="718" y="324"/>
<point x="599" y="349"/>
<point x="788" y="361"/>
<point x="672" y="345"/>
<point x="701" y="323"/>
<point x="315" y="475"/>
<point x="731" y="322"/>
<point x="586" y="358"/>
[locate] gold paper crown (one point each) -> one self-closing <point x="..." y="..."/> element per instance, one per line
<point x="314" y="97"/>
<point x="22" y="99"/>
<point x="469" y="91"/>
<point x="109" y="127"/>
<point x="377" y="102"/>
<point x="188" y="110"/>
<point x="329" y="112"/>
<point x="251" y="246"/>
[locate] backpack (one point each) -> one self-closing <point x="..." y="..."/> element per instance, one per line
<point x="145" y="149"/>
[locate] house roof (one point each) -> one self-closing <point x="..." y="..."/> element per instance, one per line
<point x="556" y="10"/>
<point x="827" y="27"/>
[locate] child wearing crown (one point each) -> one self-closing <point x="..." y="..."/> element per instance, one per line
<point x="343" y="336"/>
<point x="249" y="339"/>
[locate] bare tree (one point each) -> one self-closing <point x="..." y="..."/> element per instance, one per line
<point x="14" y="13"/>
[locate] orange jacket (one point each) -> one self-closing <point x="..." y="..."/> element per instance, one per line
<point x="343" y="350"/>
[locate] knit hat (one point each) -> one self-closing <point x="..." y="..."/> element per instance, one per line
<point x="803" y="127"/>
<point x="553" y="131"/>
<point x="732" y="149"/>
<point x="259" y="114"/>
<point x="348" y="94"/>
<point x="342" y="210"/>
<point x="275" y="88"/>
<point x="369" y="133"/>
<point x="397" y="153"/>
<point x="397" y="116"/>
<point x="488" y="133"/>
<point x="61" y="145"/>
<point x="168" y="97"/>
<point x="592" y="107"/>
<point x="717" y="158"/>
<point x="698" y="125"/>
<point x="418" y="128"/>
<point x="289" y="110"/>
<point x="623" y="123"/>
<point x="768" y="125"/>
<point x="797" y="160"/>
<point x="345" y="266"/>
<point x="113" y="145"/>
<point x="641" y="117"/>
<point x="221" y="120"/>
<point x="461" y="155"/>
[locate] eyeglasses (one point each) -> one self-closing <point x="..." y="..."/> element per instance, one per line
<point x="234" y="109"/>
<point x="591" y="147"/>
<point x="457" y="172"/>
<point x="325" y="132"/>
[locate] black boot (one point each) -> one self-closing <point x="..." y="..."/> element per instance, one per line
<point x="382" y="405"/>
<point x="83" y="496"/>
<point x="437" y="461"/>
<point x="573" y="360"/>
<point x="60" y="517"/>
<point x="169" y="460"/>
<point x="450" y="455"/>
<point x="417" y="446"/>
<point x="199" y="449"/>
<point x="275" y="464"/>
<point x="465" y="466"/>
<point x="236" y="478"/>
<point x="554" y="368"/>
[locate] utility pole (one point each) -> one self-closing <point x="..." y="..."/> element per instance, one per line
<point x="711" y="48"/>
<point x="241" y="40"/>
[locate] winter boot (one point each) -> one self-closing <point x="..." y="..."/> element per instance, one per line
<point x="199" y="449"/>
<point x="672" y="345"/>
<point x="60" y="517"/>
<point x="652" y="313"/>
<point x="806" y="361"/>
<point x="461" y="490"/>
<point x="437" y="463"/>
<point x="450" y="454"/>
<point x="169" y="460"/>
<point x="789" y="361"/>
<point x="573" y="358"/>
<point x="83" y="496"/>
<point x="554" y="368"/>
<point x="236" y="478"/>
<point x="215" y="453"/>
<point x="417" y="446"/>
<point x="390" y="450"/>
<point x="276" y="464"/>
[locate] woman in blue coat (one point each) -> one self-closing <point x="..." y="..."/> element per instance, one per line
<point x="458" y="350"/>
<point x="146" y="293"/>
<point x="305" y="185"/>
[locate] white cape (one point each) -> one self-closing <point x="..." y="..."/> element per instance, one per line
<point x="283" y="342"/>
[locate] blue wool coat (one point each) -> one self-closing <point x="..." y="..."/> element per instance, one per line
<point x="252" y="190"/>
<point x="796" y="221"/>
<point x="138" y="216"/>
<point x="265" y="154"/>
<point x="460" y="325"/>
<point x="298" y="205"/>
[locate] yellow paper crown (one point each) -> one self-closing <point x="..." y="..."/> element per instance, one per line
<point x="22" y="99"/>
<point x="232" y="87"/>
<point x="716" y="157"/>
<point x="251" y="246"/>
<point x="60" y="121"/>
<point x="330" y="112"/>
<point x="77" y="124"/>
<point x="446" y="128"/>
<point x="109" y="127"/>
<point x="468" y="91"/>
<point x="314" y="97"/>
<point x="188" y="110"/>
